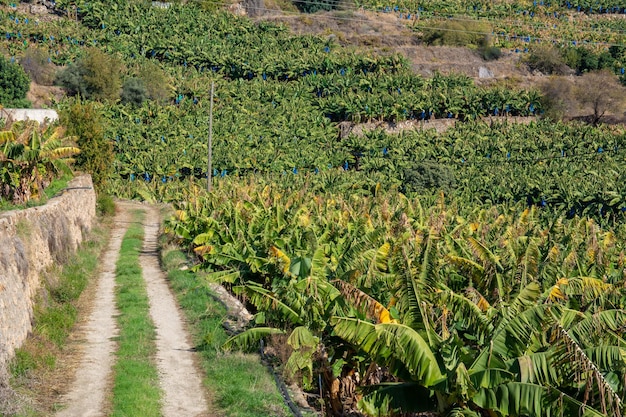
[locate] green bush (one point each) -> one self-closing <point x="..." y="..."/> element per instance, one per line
<point x="134" y="92"/>
<point x="14" y="84"/>
<point x="94" y="76"/>
<point x="457" y="33"/>
<point x="35" y="64"/>
<point x="585" y="60"/>
<point x="84" y="120"/>
<point x="548" y="60"/>
<point x="72" y="79"/>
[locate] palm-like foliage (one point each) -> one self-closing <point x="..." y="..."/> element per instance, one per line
<point x="516" y="355"/>
<point x="31" y="157"/>
<point x="461" y="311"/>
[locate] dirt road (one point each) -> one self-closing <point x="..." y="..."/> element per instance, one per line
<point x="183" y="393"/>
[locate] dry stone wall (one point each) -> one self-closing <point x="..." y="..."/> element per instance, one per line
<point x="31" y="241"/>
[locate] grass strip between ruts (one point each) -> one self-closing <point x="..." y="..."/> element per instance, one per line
<point x="136" y="390"/>
<point x="240" y="385"/>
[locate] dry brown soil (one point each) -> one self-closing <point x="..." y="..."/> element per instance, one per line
<point x="384" y="33"/>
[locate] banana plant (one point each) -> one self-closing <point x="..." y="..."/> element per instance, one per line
<point x="31" y="157"/>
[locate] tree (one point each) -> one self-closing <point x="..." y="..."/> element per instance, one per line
<point x="134" y="92"/>
<point x="157" y="82"/>
<point x="547" y="60"/>
<point x="14" y="84"/>
<point x="600" y="92"/>
<point x="558" y="97"/>
<point x="84" y="121"/>
<point x="95" y="76"/>
<point x="35" y="63"/>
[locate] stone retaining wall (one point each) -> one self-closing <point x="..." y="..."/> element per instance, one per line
<point x="31" y="241"/>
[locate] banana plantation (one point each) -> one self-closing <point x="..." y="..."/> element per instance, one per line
<point x="392" y="306"/>
<point x="473" y="272"/>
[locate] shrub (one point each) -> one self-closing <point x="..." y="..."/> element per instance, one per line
<point x="14" y="84"/>
<point x="95" y="76"/>
<point x="547" y="59"/>
<point x="458" y="33"/>
<point x="617" y="52"/>
<point x="85" y="121"/>
<point x="490" y="53"/>
<point x="428" y="176"/>
<point x="134" y="92"/>
<point x="557" y="98"/>
<point x="585" y="60"/>
<point x="157" y="83"/>
<point x="72" y="79"/>
<point x="315" y="5"/>
<point x="600" y="92"/>
<point x="595" y="92"/>
<point x="581" y="59"/>
<point x="103" y="74"/>
<point x="35" y="64"/>
<point x="105" y="205"/>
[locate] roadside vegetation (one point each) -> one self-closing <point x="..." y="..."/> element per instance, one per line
<point x="51" y="190"/>
<point x="239" y="383"/>
<point x="57" y="309"/>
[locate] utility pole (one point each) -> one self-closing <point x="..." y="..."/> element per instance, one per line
<point x="210" y="146"/>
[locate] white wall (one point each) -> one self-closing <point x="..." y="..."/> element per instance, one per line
<point x="41" y="115"/>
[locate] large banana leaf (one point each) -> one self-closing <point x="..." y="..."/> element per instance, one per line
<point x="265" y="299"/>
<point x="524" y="399"/>
<point x="249" y="338"/>
<point x="395" y="345"/>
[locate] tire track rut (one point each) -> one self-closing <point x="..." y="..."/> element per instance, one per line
<point x="87" y="395"/>
<point x="181" y="384"/>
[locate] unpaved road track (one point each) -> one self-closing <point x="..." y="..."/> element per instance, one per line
<point x="183" y="393"/>
<point x="89" y="389"/>
<point x="181" y="385"/>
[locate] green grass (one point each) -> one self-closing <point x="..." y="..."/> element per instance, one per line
<point x="57" y="185"/>
<point x="136" y="390"/>
<point x="54" y="317"/>
<point x="240" y="384"/>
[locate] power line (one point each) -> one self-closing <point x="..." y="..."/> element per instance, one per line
<point x="310" y="169"/>
<point x="427" y="27"/>
<point x="582" y="156"/>
<point x="446" y="16"/>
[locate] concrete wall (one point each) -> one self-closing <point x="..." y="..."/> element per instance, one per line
<point x="31" y="241"/>
<point x="41" y="115"/>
